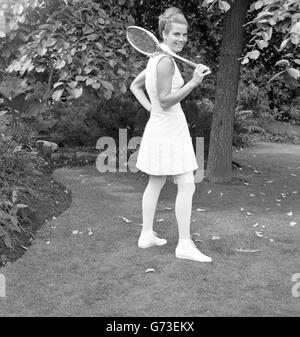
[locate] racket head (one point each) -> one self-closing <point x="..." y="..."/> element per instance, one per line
<point x="142" y="40"/>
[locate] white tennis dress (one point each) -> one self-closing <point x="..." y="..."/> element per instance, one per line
<point x="166" y="147"/>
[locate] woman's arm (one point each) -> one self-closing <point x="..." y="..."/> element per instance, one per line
<point x="137" y="88"/>
<point x="165" y="70"/>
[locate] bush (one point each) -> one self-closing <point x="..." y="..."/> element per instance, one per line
<point x="17" y="171"/>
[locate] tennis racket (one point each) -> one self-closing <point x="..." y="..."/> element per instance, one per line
<point x="146" y="43"/>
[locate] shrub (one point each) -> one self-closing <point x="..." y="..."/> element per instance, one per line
<point x="17" y="168"/>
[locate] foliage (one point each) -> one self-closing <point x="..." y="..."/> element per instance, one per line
<point x="277" y="23"/>
<point x="79" y="45"/>
<point x="17" y="166"/>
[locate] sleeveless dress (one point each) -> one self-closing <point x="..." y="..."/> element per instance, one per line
<point x="166" y="147"/>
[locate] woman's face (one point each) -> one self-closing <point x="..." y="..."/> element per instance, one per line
<point x="176" y="38"/>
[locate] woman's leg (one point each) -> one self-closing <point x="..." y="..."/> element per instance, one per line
<point x="186" y="249"/>
<point x="149" y="202"/>
<point x="183" y="208"/>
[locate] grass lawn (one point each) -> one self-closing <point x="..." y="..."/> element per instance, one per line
<point x="254" y="254"/>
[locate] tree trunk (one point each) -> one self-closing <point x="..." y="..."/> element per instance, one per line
<point x="219" y="168"/>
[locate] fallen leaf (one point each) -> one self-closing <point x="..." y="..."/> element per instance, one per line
<point x="269" y="181"/>
<point x="90" y="232"/>
<point x="66" y="191"/>
<point x="271" y="240"/>
<point x="221" y="194"/>
<point x="289" y="213"/>
<point x="201" y="209"/>
<point x="268" y="209"/>
<point x="248" y="213"/>
<point x="150" y="270"/>
<point x="252" y="195"/>
<point x="24" y="247"/>
<point x="259" y="234"/>
<point x="216" y="237"/>
<point x="54" y="218"/>
<point x="75" y="232"/>
<point x="247" y="250"/>
<point x="278" y="200"/>
<point x="209" y="191"/>
<point x="295" y="192"/>
<point x="47" y="242"/>
<point x="126" y="220"/>
<point x="242" y="209"/>
<point x="197" y="234"/>
<point x="255" y="225"/>
<point x="294" y="175"/>
<point x="245" y="183"/>
<point x="293" y="223"/>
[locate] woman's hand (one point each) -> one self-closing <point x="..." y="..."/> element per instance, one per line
<point x="200" y="71"/>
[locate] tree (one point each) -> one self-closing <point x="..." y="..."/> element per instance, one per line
<point x="220" y="149"/>
<point x="274" y="15"/>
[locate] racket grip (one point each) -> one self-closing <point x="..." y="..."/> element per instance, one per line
<point x="190" y="63"/>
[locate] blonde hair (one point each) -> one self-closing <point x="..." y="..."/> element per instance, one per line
<point x="170" y="15"/>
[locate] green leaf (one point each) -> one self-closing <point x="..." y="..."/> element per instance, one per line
<point x="40" y="69"/>
<point x="4" y="215"/>
<point x="294" y="72"/>
<point x="92" y="80"/>
<point x="102" y="13"/>
<point x="108" y="94"/>
<point x="50" y="42"/>
<point x="253" y="54"/>
<point x="77" y="92"/>
<point x="224" y="6"/>
<point x="282" y="63"/>
<point x="284" y="44"/>
<point x="258" y="4"/>
<point x="57" y="84"/>
<point x="7" y="241"/>
<point x="107" y="85"/>
<point x="96" y="85"/>
<point x="57" y="95"/>
<point x="41" y="50"/>
<point x="79" y="78"/>
<point x="60" y="64"/>
<point x="99" y="46"/>
<point x="207" y="2"/>
<point x="14" y="224"/>
<point x="297" y="61"/>
<point x="21" y="206"/>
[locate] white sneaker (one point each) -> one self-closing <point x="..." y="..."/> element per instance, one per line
<point x="189" y="251"/>
<point x="150" y="239"/>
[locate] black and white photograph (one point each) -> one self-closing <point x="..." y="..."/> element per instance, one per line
<point x="150" y="162"/>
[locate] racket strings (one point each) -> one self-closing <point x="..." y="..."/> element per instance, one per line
<point x="142" y="40"/>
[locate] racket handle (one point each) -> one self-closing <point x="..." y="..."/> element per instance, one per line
<point x="190" y="63"/>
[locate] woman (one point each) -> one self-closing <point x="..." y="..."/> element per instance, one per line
<point x="166" y="147"/>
